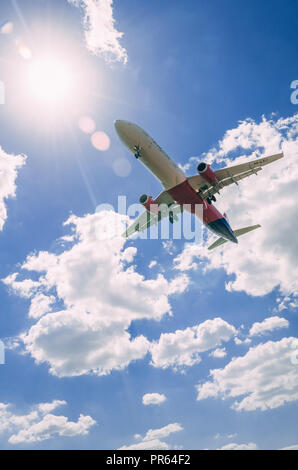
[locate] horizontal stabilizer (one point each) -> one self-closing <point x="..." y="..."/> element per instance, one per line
<point x="242" y="231"/>
<point x="218" y="242"/>
<point x="238" y="233"/>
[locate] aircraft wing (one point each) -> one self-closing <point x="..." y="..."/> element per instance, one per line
<point x="168" y="208"/>
<point x="230" y="175"/>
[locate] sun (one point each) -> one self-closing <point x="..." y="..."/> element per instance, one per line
<point x="51" y="82"/>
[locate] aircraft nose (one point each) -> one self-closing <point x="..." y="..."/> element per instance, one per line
<point x="118" y="124"/>
<point x="128" y="132"/>
<point x="122" y="129"/>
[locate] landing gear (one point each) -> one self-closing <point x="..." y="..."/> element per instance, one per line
<point x="210" y="199"/>
<point x="137" y="150"/>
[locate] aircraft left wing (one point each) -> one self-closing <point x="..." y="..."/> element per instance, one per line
<point x="168" y="208"/>
<point x="230" y="175"/>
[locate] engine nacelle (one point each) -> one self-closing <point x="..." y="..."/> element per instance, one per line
<point x="207" y="173"/>
<point x="149" y="204"/>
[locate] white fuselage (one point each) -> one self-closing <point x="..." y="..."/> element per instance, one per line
<point x="150" y="154"/>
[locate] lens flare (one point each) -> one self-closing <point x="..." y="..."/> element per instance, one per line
<point x="122" y="167"/>
<point x="86" y="124"/>
<point x="25" y="52"/>
<point x="6" y="28"/>
<point x="100" y="141"/>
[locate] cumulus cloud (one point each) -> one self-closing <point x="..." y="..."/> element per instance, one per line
<point x="233" y="446"/>
<point x="101" y="35"/>
<point x="153" y="398"/>
<point x="152" y="264"/>
<point x="266" y="377"/>
<point x="152" y="439"/>
<point x="24" y="288"/>
<point x="182" y="348"/>
<point x="269" y="199"/>
<point x="269" y="324"/>
<point x="294" y="447"/>
<point x="40" y="304"/>
<point x="189" y="258"/>
<point x="100" y="293"/>
<point x="155" y="444"/>
<point x="239" y="341"/>
<point x="40" y="424"/>
<point x="46" y="408"/>
<point x="9" y="166"/>
<point x="221" y="436"/>
<point x="218" y="353"/>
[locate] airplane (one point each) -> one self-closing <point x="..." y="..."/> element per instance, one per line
<point x="180" y="190"/>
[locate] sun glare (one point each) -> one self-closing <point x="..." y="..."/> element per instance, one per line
<point x="50" y="82"/>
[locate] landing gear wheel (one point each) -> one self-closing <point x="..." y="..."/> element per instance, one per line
<point x="213" y="198"/>
<point x="137" y="150"/>
<point x="209" y="200"/>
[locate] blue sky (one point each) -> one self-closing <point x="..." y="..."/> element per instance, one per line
<point x="86" y="322"/>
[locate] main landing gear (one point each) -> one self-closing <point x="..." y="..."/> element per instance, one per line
<point x="137" y="150"/>
<point x="210" y="199"/>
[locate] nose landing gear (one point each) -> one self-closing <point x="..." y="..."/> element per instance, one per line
<point x="137" y="150"/>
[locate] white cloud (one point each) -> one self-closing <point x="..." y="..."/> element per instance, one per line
<point x="269" y="324"/>
<point x="153" y="398"/>
<point x="161" y="433"/>
<point x="269" y="199"/>
<point x="102" y="38"/>
<point x="169" y="247"/>
<point x="8" y="419"/>
<point x="101" y="293"/>
<point x="239" y="341"/>
<point x="9" y="166"/>
<point x="182" y="348"/>
<point x="152" y="439"/>
<point x="294" y="447"/>
<point x="155" y="444"/>
<point x="266" y="377"/>
<point x="40" y="304"/>
<point x="45" y="408"/>
<point x="233" y="446"/>
<point x="189" y="258"/>
<point x="221" y="436"/>
<point x="39" y="424"/>
<point x="24" y="288"/>
<point x="249" y="446"/>
<point x="152" y="264"/>
<point x="52" y="425"/>
<point x="286" y="303"/>
<point x="218" y="353"/>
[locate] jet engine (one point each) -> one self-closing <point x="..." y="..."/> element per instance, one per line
<point x="149" y="204"/>
<point x="207" y="173"/>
